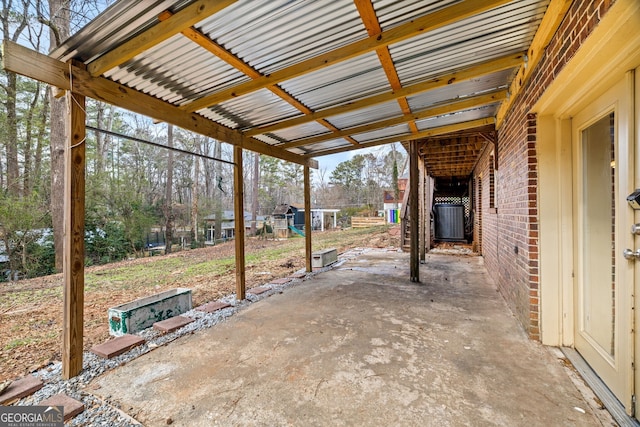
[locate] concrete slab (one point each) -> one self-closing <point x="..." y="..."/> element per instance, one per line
<point x="359" y="345"/>
<point x="212" y="306"/>
<point x="257" y="290"/>
<point x="20" y="388"/>
<point x="72" y="407"/>
<point x="117" y="346"/>
<point x="172" y="324"/>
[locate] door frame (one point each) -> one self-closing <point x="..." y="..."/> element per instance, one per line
<point x="604" y="57"/>
<point x="619" y="369"/>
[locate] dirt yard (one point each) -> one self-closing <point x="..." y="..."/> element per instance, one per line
<point x="31" y="310"/>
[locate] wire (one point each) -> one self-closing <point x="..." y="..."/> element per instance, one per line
<point x="155" y="144"/>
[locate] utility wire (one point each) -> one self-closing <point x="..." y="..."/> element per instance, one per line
<point x="155" y="144"/>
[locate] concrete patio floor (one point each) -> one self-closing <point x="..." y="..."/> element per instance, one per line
<point x="360" y="345"/>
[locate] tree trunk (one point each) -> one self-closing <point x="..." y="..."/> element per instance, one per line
<point x="168" y="202"/>
<point x="40" y="138"/>
<point x="99" y="161"/>
<point x="254" y="192"/>
<point x="29" y="125"/>
<point x="59" y="31"/>
<point x="194" y="202"/>
<point x="13" y="171"/>
<point x="217" y="153"/>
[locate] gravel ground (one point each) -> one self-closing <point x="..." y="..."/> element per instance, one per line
<point x="100" y="412"/>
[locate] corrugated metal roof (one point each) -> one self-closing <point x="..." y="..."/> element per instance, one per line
<point x="273" y="36"/>
<point x="462" y="116"/>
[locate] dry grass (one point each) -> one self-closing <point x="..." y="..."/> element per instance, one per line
<point x="31" y="310"/>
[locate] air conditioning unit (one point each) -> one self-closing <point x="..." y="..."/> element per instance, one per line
<point x="449" y="221"/>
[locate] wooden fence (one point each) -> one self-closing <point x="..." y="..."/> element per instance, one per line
<point x="367" y="221"/>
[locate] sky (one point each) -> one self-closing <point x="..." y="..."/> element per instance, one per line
<point x="331" y="161"/>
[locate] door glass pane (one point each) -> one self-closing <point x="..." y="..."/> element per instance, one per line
<point x="598" y="233"/>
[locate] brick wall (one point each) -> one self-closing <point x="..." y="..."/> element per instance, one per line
<point x="510" y="232"/>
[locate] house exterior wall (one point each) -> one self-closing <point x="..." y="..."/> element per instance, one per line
<point x="510" y="231"/>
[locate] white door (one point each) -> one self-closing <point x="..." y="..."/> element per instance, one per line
<point x="604" y="177"/>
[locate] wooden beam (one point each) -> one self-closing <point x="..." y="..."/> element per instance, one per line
<point x="551" y="20"/>
<point x="424" y="134"/>
<point x="468" y="73"/>
<point x="205" y="42"/>
<point x="238" y="207"/>
<point x="307" y="218"/>
<point x="438" y="110"/>
<point x="21" y="60"/>
<point x="163" y="30"/>
<point x="428" y="207"/>
<point x="73" y="259"/>
<point x="423" y="213"/>
<point x="372" y="24"/>
<point x="420" y="25"/>
<point x="414" y="212"/>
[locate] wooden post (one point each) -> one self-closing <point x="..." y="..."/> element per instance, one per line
<point x="414" y="211"/>
<point x="238" y="205"/>
<point x="307" y="217"/>
<point x="428" y="208"/>
<point x="73" y="258"/>
<point x="423" y="214"/>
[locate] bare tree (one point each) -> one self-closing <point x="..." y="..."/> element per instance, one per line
<point x="254" y="192"/>
<point x="10" y="20"/>
<point x="59" y="24"/>
<point x="168" y="202"/>
<point x="194" y="201"/>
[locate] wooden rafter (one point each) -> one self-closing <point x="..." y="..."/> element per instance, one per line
<point x="452" y="107"/>
<point x="160" y="32"/>
<point x="205" y="42"/>
<point x="505" y="62"/>
<point x="551" y="20"/>
<point x="20" y="60"/>
<point x="372" y="24"/>
<point x="424" y="134"/>
<point x="437" y="19"/>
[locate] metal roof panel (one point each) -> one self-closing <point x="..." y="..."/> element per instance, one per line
<point x="462" y="116"/>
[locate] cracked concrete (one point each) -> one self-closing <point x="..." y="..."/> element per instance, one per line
<point x="359" y="345"/>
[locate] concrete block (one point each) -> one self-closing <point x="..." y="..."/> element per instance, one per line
<point x="72" y="407"/>
<point x="172" y="324"/>
<point x="142" y="313"/>
<point x="324" y="258"/>
<point x="212" y="306"/>
<point x="117" y="346"/>
<point x="20" y="388"/>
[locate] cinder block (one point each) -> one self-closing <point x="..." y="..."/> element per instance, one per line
<point x="172" y="324"/>
<point x="324" y="258"/>
<point x="20" y="388"/>
<point x="72" y="407"/>
<point x="117" y="346"/>
<point x="142" y="313"/>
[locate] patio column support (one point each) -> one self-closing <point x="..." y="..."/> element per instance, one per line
<point x="414" y="211"/>
<point x="238" y="206"/>
<point x="428" y="208"/>
<point x="73" y="251"/>
<point x="307" y="218"/>
<point x="422" y="206"/>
